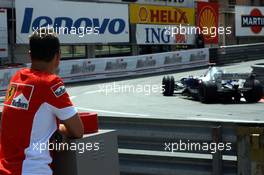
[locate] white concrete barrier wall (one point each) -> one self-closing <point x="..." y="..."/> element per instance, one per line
<point x="103" y="68"/>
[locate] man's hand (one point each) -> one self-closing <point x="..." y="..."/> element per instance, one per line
<point x="72" y="128"/>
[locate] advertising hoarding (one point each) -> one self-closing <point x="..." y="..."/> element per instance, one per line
<point x="177" y="3"/>
<point x="76" y="22"/>
<point x="151" y="14"/>
<point x="90" y="69"/>
<point x="208" y="17"/>
<point x="249" y="21"/>
<point x="103" y="68"/>
<point x="147" y="34"/>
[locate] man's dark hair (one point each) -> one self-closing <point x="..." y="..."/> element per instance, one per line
<point x="44" y="44"/>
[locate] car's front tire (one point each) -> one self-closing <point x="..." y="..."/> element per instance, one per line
<point x="168" y="84"/>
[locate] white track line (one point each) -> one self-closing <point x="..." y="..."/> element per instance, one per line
<point x="72" y="97"/>
<point x="112" y="112"/>
<point x="93" y="92"/>
<point x="223" y="120"/>
<point x="112" y="90"/>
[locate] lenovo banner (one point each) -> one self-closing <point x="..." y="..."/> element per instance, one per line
<point x="249" y="21"/>
<point x="75" y="22"/>
<point x="162" y="34"/>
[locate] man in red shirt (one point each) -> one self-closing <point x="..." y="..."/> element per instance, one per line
<point x="36" y="100"/>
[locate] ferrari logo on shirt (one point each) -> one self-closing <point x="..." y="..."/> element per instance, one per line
<point x="10" y="92"/>
<point x="19" y="95"/>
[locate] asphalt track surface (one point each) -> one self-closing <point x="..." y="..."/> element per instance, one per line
<point x="131" y="101"/>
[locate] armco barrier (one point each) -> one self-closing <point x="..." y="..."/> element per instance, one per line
<point x="236" y="53"/>
<point x="142" y="150"/>
<point x="103" y="68"/>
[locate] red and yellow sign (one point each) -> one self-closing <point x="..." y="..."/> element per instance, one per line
<point x="208" y="18"/>
<point x="151" y="14"/>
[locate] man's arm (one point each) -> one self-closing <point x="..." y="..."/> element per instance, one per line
<point x="61" y="106"/>
<point x="72" y="127"/>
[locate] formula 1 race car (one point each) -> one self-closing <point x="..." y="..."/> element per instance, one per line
<point x="216" y="85"/>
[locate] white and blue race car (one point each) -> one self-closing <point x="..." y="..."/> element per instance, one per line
<point x="216" y="85"/>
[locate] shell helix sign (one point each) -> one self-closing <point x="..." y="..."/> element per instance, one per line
<point x="249" y="21"/>
<point x="208" y="17"/>
<point x="152" y="14"/>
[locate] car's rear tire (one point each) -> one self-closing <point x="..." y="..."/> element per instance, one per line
<point x="226" y="98"/>
<point x="237" y="97"/>
<point x="255" y="94"/>
<point x="168" y="84"/>
<point x="207" y="92"/>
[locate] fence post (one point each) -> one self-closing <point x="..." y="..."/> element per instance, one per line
<point x="250" y="150"/>
<point x="217" y="157"/>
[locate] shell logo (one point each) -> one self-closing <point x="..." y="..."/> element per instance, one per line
<point x="208" y="18"/>
<point x="143" y="14"/>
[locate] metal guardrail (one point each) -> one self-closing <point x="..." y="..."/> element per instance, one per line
<point x="141" y="141"/>
<point x="236" y="53"/>
<point x="150" y="134"/>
